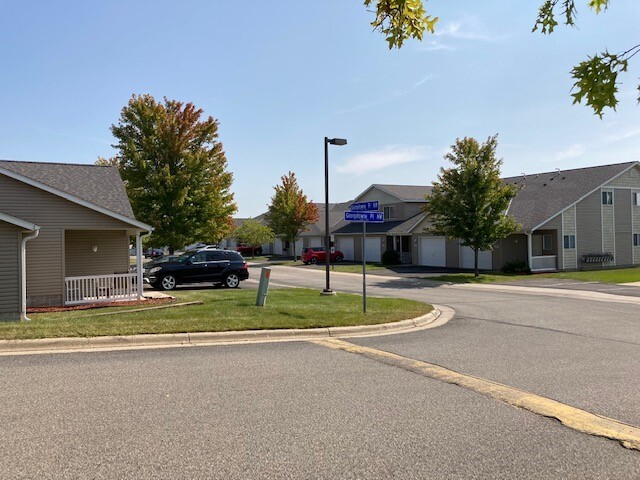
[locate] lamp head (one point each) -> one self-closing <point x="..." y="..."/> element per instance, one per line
<point x="337" y="141"/>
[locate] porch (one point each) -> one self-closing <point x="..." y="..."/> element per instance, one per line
<point x="101" y="288"/>
<point x="543" y="250"/>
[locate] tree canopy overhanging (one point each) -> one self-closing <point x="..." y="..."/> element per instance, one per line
<point x="595" y="79"/>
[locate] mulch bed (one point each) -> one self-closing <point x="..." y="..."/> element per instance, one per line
<point x="146" y="302"/>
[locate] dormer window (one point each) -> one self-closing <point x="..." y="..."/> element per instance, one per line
<point x="389" y="212"/>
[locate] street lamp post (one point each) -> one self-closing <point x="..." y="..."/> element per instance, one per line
<point x="327" y="240"/>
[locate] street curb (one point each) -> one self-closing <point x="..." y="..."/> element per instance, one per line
<point x="438" y="316"/>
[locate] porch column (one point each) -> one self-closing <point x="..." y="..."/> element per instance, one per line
<point x="139" y="265"/>
<point x="529" y="249"/>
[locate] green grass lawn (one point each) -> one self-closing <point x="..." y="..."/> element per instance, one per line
<point x="620" y="275"/>
<point x="223" y="310"/>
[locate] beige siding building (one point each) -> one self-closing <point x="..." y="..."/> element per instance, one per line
<point x="79" y="251"/>
<point x="573" y="219"/>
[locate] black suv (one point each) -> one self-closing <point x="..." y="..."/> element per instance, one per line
<point x="216" y="266"/>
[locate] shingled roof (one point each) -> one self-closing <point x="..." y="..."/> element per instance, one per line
<point x="541" y="196"/>
<point x="406" y="193"/>
<point x="99" y="185"/>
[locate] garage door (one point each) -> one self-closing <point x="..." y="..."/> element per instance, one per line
<point x="345" y="245"/>
<point x="433" y="251"/>
<point x="277" y="247"/>
<point x="485" y="261"/>
<point x="372" y="250"/>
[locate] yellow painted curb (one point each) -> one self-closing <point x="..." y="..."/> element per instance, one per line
<point x="574" y="418"/>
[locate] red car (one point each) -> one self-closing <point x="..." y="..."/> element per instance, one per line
<point x="247" y="250"/>
<point x="317" y="255"/>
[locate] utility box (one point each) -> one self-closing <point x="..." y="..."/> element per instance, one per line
<point x="263" y="287"/>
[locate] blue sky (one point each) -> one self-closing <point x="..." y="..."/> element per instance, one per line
<point x="281" y="75"/>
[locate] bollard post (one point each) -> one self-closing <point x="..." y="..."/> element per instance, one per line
<point x="263" y="287"/>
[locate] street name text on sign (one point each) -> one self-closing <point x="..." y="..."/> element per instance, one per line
<point x="365" y="206"/>
<point x="370" y="217"/>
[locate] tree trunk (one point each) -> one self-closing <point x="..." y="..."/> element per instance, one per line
<point x="475" y="262"/>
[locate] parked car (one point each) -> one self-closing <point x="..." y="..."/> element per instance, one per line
<point x="216" y="266"/>
<point x="153" y="253"/>
<point x="248" y="250"/>
<point x="318" y="255"/>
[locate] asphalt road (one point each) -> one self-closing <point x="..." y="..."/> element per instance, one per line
<point x="300" y="410"/>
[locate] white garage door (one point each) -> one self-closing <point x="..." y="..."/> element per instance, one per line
<point x="277" y="247"/>
<point x="433" y="251"/>
<point x="345" y="245"/>
<point x="372" y="250"/>
<point x="298" y="248"/>
<point x="484" y="258"/>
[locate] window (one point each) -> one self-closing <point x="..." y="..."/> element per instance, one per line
<point x="607" y="198"/>
<point x="636" y="239"/>
<point x="569" y="241"/>
<point x="635" y="198"/>
<point x="389" y="212"/>
<point x="547" y="243"/>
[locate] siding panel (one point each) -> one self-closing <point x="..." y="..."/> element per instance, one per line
<point x="624" y="239"/>
<point x="589" y="226"/>
<point x="9" y="272"/>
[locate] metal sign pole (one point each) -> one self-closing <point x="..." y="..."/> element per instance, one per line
<point x="364" y="267"/>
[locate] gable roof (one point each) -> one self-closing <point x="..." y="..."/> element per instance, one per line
<point x="542" y="196"/>
<point x="96" y="187"/>
<point x="404" y="193"/>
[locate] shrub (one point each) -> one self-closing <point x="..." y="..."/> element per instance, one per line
<point x="517" y="266"/>
<point x="390" y="257"/>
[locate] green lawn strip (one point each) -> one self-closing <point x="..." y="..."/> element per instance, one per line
<point x="357" y="268"/>
<point x="223" y="310"/>
<point x="621" y="275"/>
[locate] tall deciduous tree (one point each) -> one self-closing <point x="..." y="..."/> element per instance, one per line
<point x="290" y="213"/>
<point x="595" y="78"/>
<point x="469" y="201"/>
<point x="175" y="171"/>
<point x="252" y="233"/>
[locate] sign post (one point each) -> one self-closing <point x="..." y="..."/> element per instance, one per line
<point x="365" y="212"/>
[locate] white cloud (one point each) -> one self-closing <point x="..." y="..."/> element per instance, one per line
<point x="433" y="46"/>
<point x="393" y="95"/>
<point x="622" y="135"/>
<point x="573" y="151"/>
<point x="389" y="156"/>
<point x="467" y="29"/>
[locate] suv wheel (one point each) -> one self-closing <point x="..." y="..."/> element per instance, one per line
<point x="314" y="260"/>
<point x="168" y="282"/>
<point x="338" y="258"/>
<point x="232" y="280"/>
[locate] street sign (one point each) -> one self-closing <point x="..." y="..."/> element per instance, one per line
<point x="368" y="217"/>
<point x="365" y="206"/>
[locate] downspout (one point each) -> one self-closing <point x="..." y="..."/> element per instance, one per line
<point x="139" y="272"/>
<point x="23" y="275"/>
<point x="529" y="247"/>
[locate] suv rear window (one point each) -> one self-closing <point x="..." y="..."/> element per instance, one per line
<point x="234" y="256"/>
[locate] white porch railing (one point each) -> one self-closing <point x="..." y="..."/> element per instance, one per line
<point x="543" y="263"/>
<point x="101" y="288"/>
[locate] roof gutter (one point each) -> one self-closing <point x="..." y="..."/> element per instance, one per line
<point x="23" y="274"/>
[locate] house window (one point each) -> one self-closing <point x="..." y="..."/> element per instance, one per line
<point x="635" y="198"/>
<point x="389" y="212"/>
<point x="569" y="241"/>
<point x="607" y="198"/>
<point x="546" y="243"/>
<point x="636" y="239"/>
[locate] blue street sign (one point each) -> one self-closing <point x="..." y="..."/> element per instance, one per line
<point x="368" y="217"/>
<point x="364" y="206"/>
